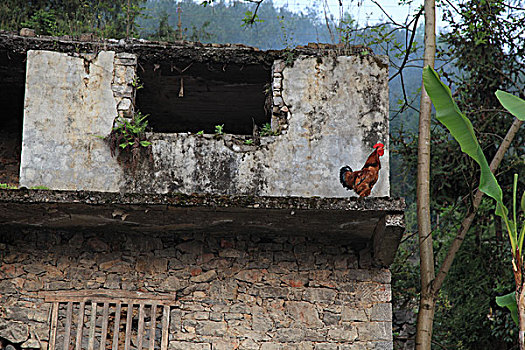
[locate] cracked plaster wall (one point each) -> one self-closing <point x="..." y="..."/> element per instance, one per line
<point x="69" y="101"/>
<point x="329" y="112"/>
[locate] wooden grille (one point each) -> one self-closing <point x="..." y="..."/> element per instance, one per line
<point x="109" y="320"/>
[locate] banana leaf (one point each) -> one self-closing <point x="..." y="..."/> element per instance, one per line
<point x="513" y="104"/>
<point x="449" y="114"/>
<point x="509" y="301"/>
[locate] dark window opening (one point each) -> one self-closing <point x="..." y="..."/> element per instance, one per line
<point x="203" y="96"/>
<point x="12" y="86"/>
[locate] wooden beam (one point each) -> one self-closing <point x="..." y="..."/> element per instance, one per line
<point x="92" y="325"/>
<point x="54" y="321"/>
<point x="80" y="326"/>
<point x="105" y="320"/>
<point x="67" y="332"/>
<point x="116" y="328"/>
<point x="109" y="296"/>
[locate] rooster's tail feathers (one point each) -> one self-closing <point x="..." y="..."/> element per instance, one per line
<point x="342" y="176"/>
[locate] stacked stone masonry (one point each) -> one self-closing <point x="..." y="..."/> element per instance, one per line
<point x="279" y="110"/>
<point x="124" y="83"/>
<point x="234" y="291"/>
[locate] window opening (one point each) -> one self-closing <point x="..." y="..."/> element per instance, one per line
<point x="190" y="97"/>
<point x="12" y="87"/>
<point x="109" y="320"/>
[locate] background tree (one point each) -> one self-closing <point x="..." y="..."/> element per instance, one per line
<point x="104" y="18"/>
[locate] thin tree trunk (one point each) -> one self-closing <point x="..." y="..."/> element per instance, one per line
<point x="427" y="299"/>
<point x="520" y="300"/>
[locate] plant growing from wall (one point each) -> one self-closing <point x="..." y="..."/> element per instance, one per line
<point x="128" y="136"/>
<point x="266" y="130"/>
<point x="219" y="129"/>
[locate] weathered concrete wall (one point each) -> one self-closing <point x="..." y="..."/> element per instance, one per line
<point x="69" y="101"/>
<point x="330" y="111"/>
<point x="234" y="290"/>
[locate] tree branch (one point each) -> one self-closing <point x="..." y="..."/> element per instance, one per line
<point x="467" y="221"/>
<point x="407" y="53"/>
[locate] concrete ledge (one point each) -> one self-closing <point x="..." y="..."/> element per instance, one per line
<point x="336" y="220"/>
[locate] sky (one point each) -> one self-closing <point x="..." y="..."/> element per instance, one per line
<point x="364" y="11"/>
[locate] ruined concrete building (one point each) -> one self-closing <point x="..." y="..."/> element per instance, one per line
<point x="229" y="231"/>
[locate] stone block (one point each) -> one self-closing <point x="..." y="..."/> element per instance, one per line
<point x="370" y="331"/>
<point x="230" y="253"/>
<point x="289" y="335"/>
<point x="331" y="319"/>
<point x="183" y="345"/>
<point x="381" y="312"/>
<point x="250" y="276"/>
<point x="372" y="292"/>
<point x="27" y="32"/>
<point x="211" y="328"/>
<point x="304" y="314"/>
<point x="191" y="247"/>
<point x="262" y="323"/>
<point x="340" y="334"/>
<point x="173" y="284"/>
<point x="125" y="59"/>
<point x="14" y="331"/>
<point x="380" y="345"/>
<point x="319" y="295"/>
<point x="205" y="277"/>
<point x="112" y="281"/>
<point x="151" y="265"/>
<point x="124" y="75"/>
<point x="353" y="314"/>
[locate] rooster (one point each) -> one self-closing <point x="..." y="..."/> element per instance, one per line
<point x="363" y="180"/>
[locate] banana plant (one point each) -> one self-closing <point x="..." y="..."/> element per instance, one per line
<point x="460" y="127"/>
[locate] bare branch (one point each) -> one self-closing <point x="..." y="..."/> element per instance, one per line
<point x="467" y="221"/>
<point x="407" y="53"/>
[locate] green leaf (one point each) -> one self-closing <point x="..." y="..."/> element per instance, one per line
<point x="449" y="114"/>
<point x="513" y="104"/>
<point x="523" y="202"/>
<point x="509" y="301"/>
<point x="145" y="143"/>
<point x="123" y="145"/>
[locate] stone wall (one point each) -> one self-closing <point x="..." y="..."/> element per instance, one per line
<point x="234" y="290"/>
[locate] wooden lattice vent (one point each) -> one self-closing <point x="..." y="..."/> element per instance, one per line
<point x="109" y="320"/>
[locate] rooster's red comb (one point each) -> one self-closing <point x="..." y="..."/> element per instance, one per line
<point x="379" y="145"/>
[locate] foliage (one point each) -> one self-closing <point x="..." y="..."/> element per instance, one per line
<point x="480" y="272"/>
<point x="217" y="23"/>
<point x="219" y="129"/>
<point x="129" y="137"/>
<point x="267" y="130"/>
<point x="461" y="129"/>
<point x="509" y="301"/>
<point x="4" y="186"/>
<point x="43" y="22"/>
<point x="104" y="18"/>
